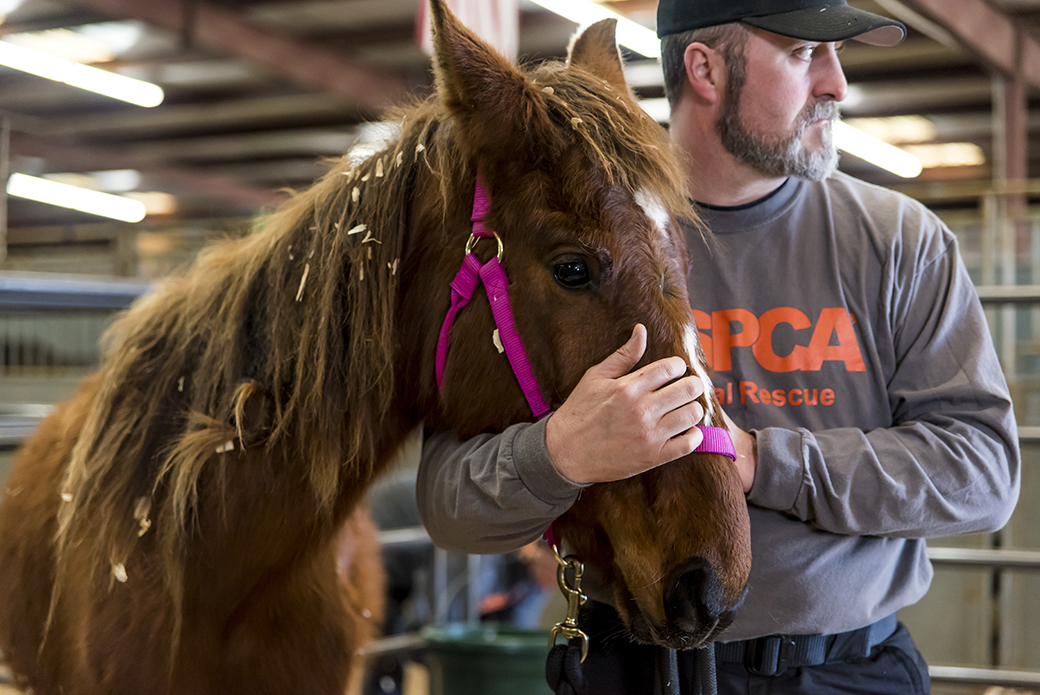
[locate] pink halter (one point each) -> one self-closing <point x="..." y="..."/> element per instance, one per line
<point x="716" y="439"/>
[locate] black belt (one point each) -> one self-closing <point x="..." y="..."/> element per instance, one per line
<point x="772" y="655"/>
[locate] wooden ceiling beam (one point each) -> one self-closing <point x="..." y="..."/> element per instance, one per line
<point x="233" y="114"/>
<point x="227" y="32"/>
<point x="999" y="39"/>
<point x="62" y="157"/>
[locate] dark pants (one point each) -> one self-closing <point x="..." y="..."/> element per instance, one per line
<point x="615" y="666"/>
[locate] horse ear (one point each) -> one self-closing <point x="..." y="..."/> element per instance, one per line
<point x="595" y="50"/>
<point x="472" y="78"/>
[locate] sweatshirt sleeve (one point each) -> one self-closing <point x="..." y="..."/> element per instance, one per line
<point x="949" y="462"/>
<point x="492" y="493"/>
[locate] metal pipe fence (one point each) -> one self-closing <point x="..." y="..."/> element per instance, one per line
<point x="45" y="292"/>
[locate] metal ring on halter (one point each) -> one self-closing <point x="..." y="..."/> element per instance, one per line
<point x="474" y="238"/>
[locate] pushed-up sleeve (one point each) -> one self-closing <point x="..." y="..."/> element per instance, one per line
<point x="491" y="493"/>
<point x="948" y="463"/>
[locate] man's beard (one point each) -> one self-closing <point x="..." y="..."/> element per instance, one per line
<point x="786" y="156"/>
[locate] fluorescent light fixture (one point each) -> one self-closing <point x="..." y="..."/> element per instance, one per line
<point x="896" y="130"/>
<point x="117" y="180"/>
<point x="83" y="76"/>
<point x="118" y="37"/>
<point x="155" y="202"/>
<point x="948" y="154"/>
<point x="111" y="181"/>
<point x="854" y="97"/>
<point x="877" y="152"/>
<point x="629" y="34"/>
<point x="90" y="43"/>
<point x="74" y="198"/>
<point x="9" y="6"/>
<point x="644" y="73"/>
<point x="63" y="43"/>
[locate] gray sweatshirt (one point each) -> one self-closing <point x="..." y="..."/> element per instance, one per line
<point x="843" y="330"/>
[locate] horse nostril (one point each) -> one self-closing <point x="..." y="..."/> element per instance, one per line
<point x="694" y="594"/>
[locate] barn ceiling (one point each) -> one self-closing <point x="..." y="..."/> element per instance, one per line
<point x="258" y="94"/>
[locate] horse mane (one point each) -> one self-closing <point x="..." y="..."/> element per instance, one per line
<point x="292" y="325"/>
<point x="285" y="338"/>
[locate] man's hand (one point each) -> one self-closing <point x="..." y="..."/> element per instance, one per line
<point x="617" y="424"/>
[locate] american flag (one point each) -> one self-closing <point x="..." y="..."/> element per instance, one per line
<point x="495" y="21"/>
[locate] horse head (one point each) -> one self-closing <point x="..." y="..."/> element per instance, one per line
<point x="585" y="192"/>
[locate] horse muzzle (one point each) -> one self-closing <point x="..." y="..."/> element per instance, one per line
<point x="696" y="609"/>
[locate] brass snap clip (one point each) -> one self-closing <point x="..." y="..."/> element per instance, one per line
<point x="568" y="627"/>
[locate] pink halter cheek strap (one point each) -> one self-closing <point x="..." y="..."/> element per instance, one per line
<point x="496" y="285"/>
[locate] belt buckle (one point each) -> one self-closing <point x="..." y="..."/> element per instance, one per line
<point x="768" y="656"/>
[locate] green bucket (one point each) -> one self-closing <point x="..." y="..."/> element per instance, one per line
<point x="482" y="659"/>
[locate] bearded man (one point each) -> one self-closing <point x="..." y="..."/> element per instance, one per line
<point x="850" y="354"/>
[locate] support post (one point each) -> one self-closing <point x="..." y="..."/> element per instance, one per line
<point x="1010" y="172"/>
<point x="5" y="173"/>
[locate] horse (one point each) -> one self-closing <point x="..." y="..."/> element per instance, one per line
<point x="192" y="520"/>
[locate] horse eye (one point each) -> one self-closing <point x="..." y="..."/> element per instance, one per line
<point x="571" y="274"/>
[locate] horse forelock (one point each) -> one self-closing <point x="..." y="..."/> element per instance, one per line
<point x="555" y="108"/>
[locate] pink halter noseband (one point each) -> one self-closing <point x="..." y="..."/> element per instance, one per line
<point x="716" y="439"/>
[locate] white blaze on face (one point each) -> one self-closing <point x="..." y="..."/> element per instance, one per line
<point x="653" y="208"/>
<point x="691" y="342"/>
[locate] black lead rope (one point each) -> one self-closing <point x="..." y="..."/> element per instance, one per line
<point x="564" y="674"/>
<point x="668" y="671"/>
<point x="563" y="669"/>
<point x="707" y="684"/>
<point x="563" y="665"/>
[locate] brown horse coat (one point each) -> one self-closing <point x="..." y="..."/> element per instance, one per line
<point x="174" y="527"/>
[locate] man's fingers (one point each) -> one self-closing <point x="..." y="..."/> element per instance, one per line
<point x="622" y="360"/>
<point x="681" y="445"/>
<point x="676" y="395"/>
<point x="677" y="421"/>
<point x="656" y="374"/>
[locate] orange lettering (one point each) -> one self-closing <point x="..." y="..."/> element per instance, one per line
<point x="833" y="339"/>
<point x="779" y="397"/>
<point x="827" y="397"/>
<point x="747" y="390"/>
<point x="723" y="341"/>
<point x="837" y="322"/>
<point x="795" y="394"/>
<point x="763" y="347"/>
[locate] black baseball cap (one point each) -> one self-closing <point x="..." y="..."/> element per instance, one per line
<point x="810" y="20"/>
